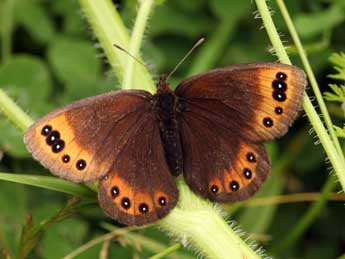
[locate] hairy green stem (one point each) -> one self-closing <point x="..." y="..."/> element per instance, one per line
<point x="13" y="112"/>
<point x="197" y="222"/>
<point x="311" y="76"/>
<point x="314" y="119"/>
<point x="135" y="43"/>
<point x="109" y="29"/>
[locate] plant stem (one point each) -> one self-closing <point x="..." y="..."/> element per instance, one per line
<point x="197" y="221"/>
<point x="51" y="183"/>
<point x="320" y="130"/>
<point x="13" y="112"/>
<point x="148" y="243"/>
<point x="311" y="76"/>
<point x="135" y="43"/>
<point x="109" y="29"/>
<point x="166" y="252"/>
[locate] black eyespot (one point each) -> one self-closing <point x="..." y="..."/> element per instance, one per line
<point x="125" y="203"/>
<point x="114" y="191"/>
<point x="234" y="186"/>
<point x="247" y="173"/>
<point x="214" y="189"/>
<point x="46" y="130"/>
<point x="58" y="146"/>
<point x="66" y="158"/>
<point x="251" y="157"/>
<point x="279" y="96"/>
<point x="281" y="76"/>
<point x="143" y="208"/>
<point x="279" y="85"/>
<point x="278" y="110"/>
<point x="81" y="164"/>
<point x="268" y="122"/>
<point x="53" y="137"/>
<point x="162" y="201"/>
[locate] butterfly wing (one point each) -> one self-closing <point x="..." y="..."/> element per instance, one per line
<point x="217" y="164"/>
<point x="80" y="141"/>
<point x="227" y="113"/>
<point x="258" y="101"/>
<point x="139" y="189"/>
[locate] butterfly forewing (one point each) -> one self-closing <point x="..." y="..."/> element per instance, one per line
<point x="258" y="101"/>
<point x="80" y="141"/>
<point x="139" y="189"/>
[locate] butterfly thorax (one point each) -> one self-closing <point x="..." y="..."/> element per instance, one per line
<point x="165" y="104"/>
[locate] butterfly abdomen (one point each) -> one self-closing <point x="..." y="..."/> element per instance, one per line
<point x="165" y="108"/>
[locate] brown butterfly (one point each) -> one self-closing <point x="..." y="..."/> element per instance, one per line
<point x="210" y="129"/>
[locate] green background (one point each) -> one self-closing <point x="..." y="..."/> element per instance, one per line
<point x="49" y="57"/>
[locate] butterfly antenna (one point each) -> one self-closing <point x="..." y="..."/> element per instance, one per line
<point x="199" y="42"/>
<point x="129" y="54"/>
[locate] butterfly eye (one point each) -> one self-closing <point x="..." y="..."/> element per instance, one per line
<point x="247" y="173"/>
<point x="234" y="186"/>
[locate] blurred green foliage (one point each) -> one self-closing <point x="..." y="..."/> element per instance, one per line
<point x="49" y="57"/>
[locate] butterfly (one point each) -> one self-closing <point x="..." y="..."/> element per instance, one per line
<point x="210" y="130"/>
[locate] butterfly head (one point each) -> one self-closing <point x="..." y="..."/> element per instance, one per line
<point x="162" y="85"/>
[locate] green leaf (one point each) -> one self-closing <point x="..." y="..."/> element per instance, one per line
<point x="73" y="22"/>
<point x="27" y="80"/>
<point x="35" y="19"/>
<point x="310" y="25"/>
<point x="184" y="24"/>
<point x="63" y="238"/>
<point x="13" y="206"/>
<point x="51" y="183"/>
<point x="76" y="65"/>
<point x="338" y="94"/>
<point x="226" y="9"/>
<point x="31" y="234"/>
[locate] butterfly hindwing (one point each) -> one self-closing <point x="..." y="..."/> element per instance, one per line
<point x="139" y="189"/>
<point x="258" y="101"/>
<point x="218" y="165"/>
<point x="79" y="141"/>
